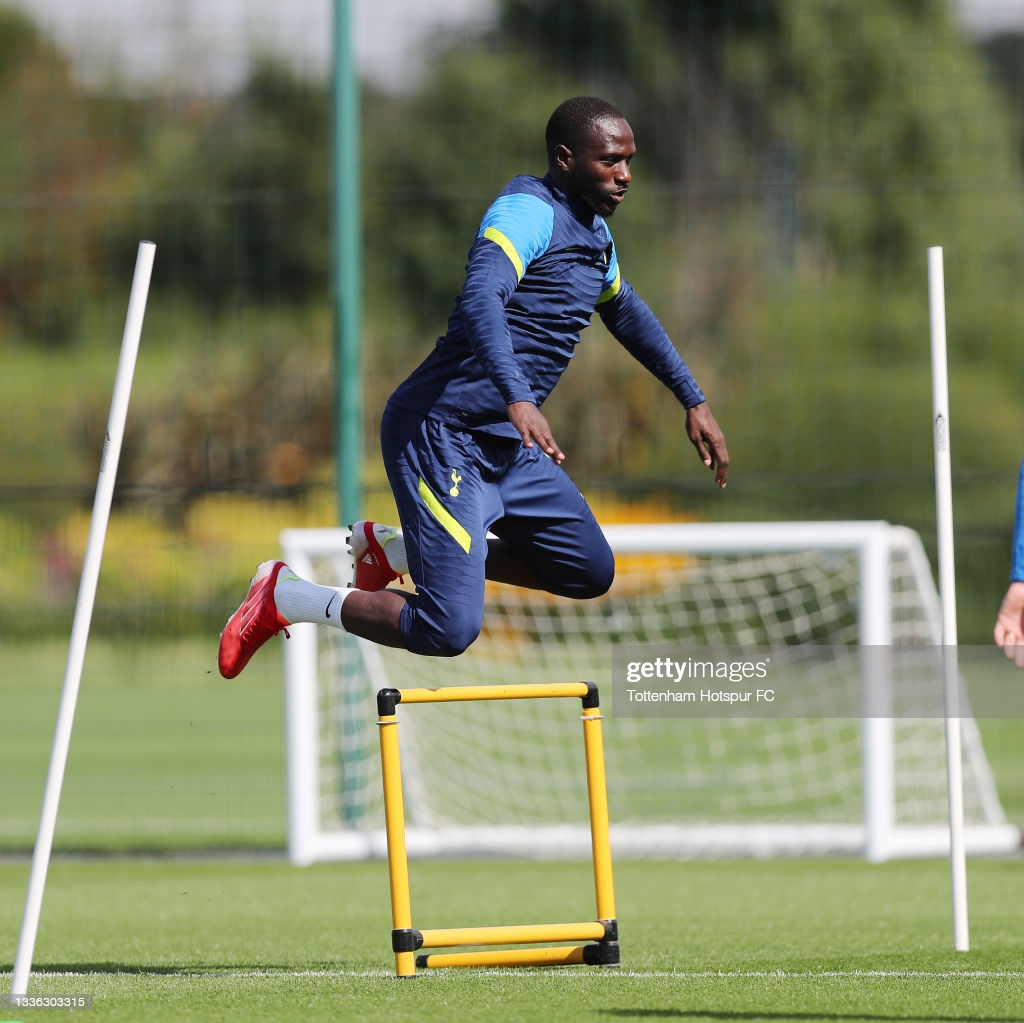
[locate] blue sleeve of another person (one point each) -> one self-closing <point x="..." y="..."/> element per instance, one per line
<point x="1017" y="561"/>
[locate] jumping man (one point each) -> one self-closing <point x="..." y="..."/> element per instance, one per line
<point x="466" y="447"/>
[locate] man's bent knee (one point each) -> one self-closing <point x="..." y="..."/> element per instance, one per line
<point x="587" y="581"/>
<point x="439" y="637"/>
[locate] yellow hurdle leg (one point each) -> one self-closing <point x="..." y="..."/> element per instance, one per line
<point x="398" y="859"/>
<point x="597" y="790"/>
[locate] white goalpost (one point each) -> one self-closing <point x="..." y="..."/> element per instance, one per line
<point x="830" y="779"/>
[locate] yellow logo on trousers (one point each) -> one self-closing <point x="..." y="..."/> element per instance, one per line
<point x="456" y="480"/>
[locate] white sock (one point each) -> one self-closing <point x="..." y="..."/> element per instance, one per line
<point x="301" y="601"/>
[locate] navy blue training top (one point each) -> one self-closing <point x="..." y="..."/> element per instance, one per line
<point x="539" y="267"/>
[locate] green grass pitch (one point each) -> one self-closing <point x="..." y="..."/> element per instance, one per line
<point x="242" y="939"/>
<point x="170" y="759"/>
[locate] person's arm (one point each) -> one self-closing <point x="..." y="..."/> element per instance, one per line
<point x="491" y="280"/>
<point x="638" y="330"/>
<point x="1009" y="627"/>
<point x="515" y="230"/>
<point x="1017" y="556"/>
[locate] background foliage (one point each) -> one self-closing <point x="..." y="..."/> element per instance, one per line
<point x="796" y="160"/>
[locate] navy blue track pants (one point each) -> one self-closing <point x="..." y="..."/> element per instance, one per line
<point x="452" y="486"/>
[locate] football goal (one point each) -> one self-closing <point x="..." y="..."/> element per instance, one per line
<point x="505" y="780"/>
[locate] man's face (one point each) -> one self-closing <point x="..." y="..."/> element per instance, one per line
<point x="597" y="171"/>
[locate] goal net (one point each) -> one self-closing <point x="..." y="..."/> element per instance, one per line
<point x="508" y="779"/>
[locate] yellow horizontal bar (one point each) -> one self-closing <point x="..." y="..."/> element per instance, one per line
<point x="519" y="934"/>
<point x="526" y="691"/>
<point x="570" y="955"/>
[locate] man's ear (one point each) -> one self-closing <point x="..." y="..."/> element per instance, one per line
<point x="563" y="157"/>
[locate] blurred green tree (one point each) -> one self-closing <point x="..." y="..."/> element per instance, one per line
<point x="60" y="143"/>
<point x="237" y="192"/>
<point x="874" y="123"/>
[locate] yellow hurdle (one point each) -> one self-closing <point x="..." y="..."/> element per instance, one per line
<point x="406" y="941"/>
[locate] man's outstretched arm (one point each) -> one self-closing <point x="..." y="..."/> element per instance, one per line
<point x="639" y="331"/>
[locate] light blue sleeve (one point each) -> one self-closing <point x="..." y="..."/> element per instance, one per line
<point x="1017" y="560"/>
<point x="521" y="226"/>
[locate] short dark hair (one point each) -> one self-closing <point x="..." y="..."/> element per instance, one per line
<point x="574" y="119"/>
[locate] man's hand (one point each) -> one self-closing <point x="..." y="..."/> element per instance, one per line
<point x="534" y="429"/>
<point x="707" y="437"/>
<point x="1009" y="630"/>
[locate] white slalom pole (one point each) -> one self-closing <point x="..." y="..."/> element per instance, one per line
<point x="83" y="616"/>
<point x="947" y="594"/>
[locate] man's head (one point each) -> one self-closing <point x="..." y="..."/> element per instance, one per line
<point x="590" y="145"/>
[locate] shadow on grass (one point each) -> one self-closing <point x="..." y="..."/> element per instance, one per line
<point x="41" y="971"/>
<point x="717" y="1014"/>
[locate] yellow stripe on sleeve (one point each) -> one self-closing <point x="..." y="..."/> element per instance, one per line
<point x="458" y="532"/>
<point x="502" y="241"/>
<point x="612" y="290"/>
